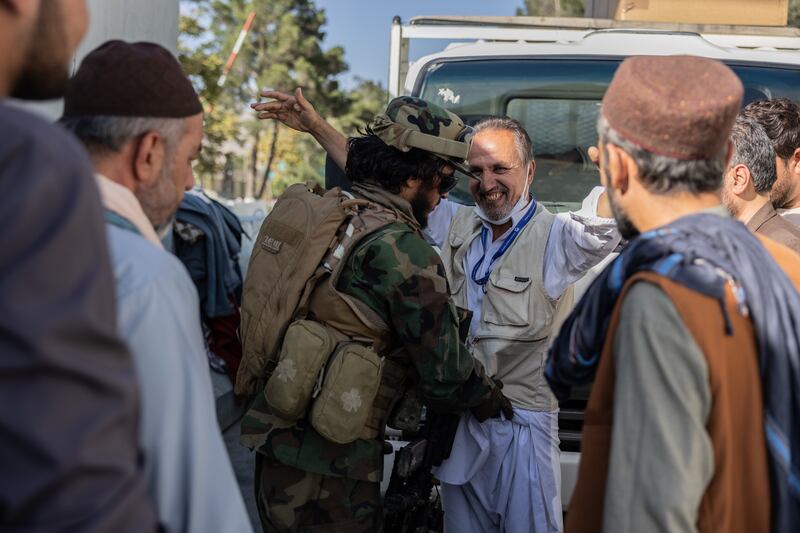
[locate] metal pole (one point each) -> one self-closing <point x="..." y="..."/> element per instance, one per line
<point x="236" y="48"/>
<point x="395" y="44"/>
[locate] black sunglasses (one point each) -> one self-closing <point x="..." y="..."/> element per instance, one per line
<point x="447" y="182"/>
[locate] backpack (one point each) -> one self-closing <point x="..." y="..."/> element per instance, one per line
<point x="307" y="227"/>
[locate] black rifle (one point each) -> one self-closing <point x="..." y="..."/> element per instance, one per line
<point x="410" y="505"/>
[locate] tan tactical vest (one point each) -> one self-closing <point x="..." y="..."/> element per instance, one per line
<point x="351" y="320"/>
<point x="304" y="245"/>
<point x="512" y="338"/>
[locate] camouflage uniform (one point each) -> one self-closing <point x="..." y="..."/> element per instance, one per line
<point x="304" y="479"/>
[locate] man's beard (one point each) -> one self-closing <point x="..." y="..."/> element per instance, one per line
<point x="421" y="206"/>
<point x="160" y="202"/>
<point x="727" y="201"/>
<point x="45" y="71"/>
<point x="779" y="195"/>
<point x="624" y="224"/>
<point x="495" y="211"/>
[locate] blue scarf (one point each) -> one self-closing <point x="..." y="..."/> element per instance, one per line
<point x="704" y="252"/>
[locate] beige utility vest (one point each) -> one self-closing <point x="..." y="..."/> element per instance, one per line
<point x="512" y="337"/>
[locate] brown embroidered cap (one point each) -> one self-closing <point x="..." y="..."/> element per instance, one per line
<point x="677" y="106"/>
<point x="131" y="79"/>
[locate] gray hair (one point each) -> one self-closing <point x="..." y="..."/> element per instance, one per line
<point x="521" y="137"/>
<point x="753" y="149"/>
<point x="110" y="132"/>
<point x="661" y="174"/>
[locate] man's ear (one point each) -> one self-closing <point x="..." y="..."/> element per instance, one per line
<point x="531" y="171"/>
<point x="794" y="162"/>
<point x="148" y="158"/>
<point x="740" y="179"/>
<point x="619" y="168"/>
<point x="411" y="183"/>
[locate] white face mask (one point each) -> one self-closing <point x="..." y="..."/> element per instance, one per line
<point x="521" y="204"/>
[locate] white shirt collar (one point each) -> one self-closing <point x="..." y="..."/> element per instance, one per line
<point x="121" y="200"/>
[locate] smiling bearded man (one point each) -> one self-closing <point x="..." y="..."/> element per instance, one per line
<point x="509" y="261"/>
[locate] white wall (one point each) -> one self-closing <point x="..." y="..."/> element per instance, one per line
<point x="129" y="20"/>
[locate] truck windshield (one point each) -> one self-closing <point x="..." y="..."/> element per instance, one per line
<point x="557" y="100"/>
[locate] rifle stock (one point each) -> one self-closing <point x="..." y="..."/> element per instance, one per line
<point x="410" y="504"/>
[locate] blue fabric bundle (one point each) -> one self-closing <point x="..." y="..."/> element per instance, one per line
<point x="223" y="237"/>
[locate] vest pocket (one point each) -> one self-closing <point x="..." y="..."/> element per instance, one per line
<point x="351" y="383"/>
<point x="506" y="301"/>
<point x="306" y="347"/>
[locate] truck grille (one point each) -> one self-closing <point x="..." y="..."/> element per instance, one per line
<point x="570" y="419"/>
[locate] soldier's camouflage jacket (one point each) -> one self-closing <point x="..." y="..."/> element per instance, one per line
<point x="397" y="274"/>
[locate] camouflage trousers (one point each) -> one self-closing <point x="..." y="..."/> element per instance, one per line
<point x="294" y="501"/>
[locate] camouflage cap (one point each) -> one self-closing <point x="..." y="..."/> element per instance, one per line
<point x="411" y="122"/>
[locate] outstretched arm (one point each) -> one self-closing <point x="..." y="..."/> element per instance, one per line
<point x="580" y="240"/>
<point x="297" y="113"/>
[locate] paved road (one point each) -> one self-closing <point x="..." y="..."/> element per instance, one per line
<point x="243" y="461"/>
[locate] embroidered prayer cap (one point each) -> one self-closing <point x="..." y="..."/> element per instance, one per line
<point x="677" y="106"/>
<point x="133" y="80"/>
<point x="411" y="122"/>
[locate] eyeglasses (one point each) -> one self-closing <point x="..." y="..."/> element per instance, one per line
<point x="447" y="182"/>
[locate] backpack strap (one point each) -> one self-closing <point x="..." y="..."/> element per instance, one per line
<point x="364" y="324"/>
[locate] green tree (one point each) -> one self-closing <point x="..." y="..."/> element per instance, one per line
<point x="302" y="159"/>
<point x="282" y="50"/>
<point x="552" y="8"/>
<point x="203" y="62"/>
<point x="794" y="13"/>
<point x="365" y="101"/>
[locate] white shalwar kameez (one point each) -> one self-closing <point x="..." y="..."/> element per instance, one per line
<point x="505" y="476"/>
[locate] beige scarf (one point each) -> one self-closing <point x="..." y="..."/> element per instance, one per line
<point x="121" y="200"/>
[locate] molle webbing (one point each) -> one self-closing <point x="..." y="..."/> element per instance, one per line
<point x="393" y="381"/>
<point x="297" y="234"/>
<point x="352" y="320"/>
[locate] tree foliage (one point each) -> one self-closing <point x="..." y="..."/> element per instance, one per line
<point x="365" y="101"/>
<point x="552" y="8"/>
<point x="282" y="50"/>
<point x="794" y="13"/>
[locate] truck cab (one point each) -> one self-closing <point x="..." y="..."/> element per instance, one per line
<point x="550" y="75"/>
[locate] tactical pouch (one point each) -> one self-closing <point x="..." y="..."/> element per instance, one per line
<point x="306" y="347"/>
<point x="351" y="383"/>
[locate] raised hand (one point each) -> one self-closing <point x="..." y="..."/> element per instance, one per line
<point x="293" y="111"/>
<point x="594" y="155"/>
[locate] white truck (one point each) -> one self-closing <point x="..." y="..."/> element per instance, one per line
<point x="550" y="74"/>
